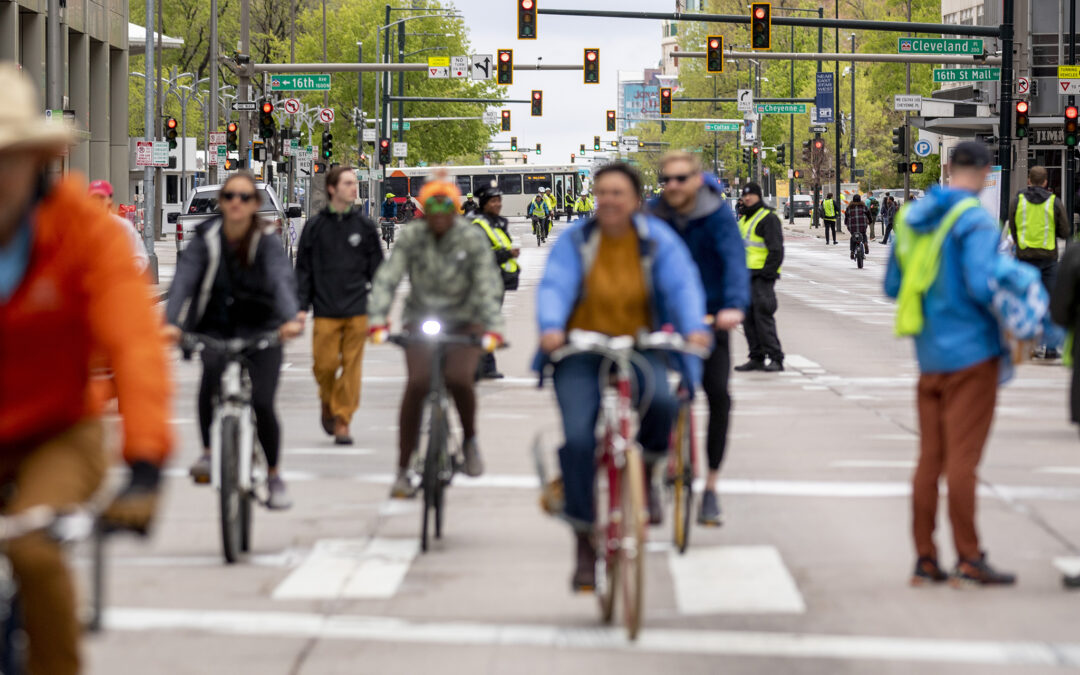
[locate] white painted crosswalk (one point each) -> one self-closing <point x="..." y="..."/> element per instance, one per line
<point x="350" y="568"/>
<point x="733" y="580"/>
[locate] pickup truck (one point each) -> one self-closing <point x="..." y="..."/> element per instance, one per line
<point x="202" y="204"/>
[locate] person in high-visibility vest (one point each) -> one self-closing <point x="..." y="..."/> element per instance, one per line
<point x="828" y="214"/>
<point x="538" y="211"/>
<point x="1037" y="220"/>
<point x="943" y="260"/>
<point x="763" y="236"/>
<point x="490" y="220"/>
<point x="581" y="206"/>
<point x="549" y="199"/>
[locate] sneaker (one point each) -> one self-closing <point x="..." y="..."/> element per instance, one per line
<point x="327" y="419"/>
<point x="584" y="579"/>
<point x="493" y="375"/>
<point x="979" y="573"/>
<point x="709" y="513"/>
<point x="200" y="470"/>
<point x="751" y="365"/>
<point x="402" y="487"/>
<point x="928" y="571"/>
<point x="1052" y="354"/>
<point x="774" y="367"/>
<point x="279" y="497"/>
<point x="1040" y="352"/>
<point x="656" y="509"/>
<point x="341" y="432"/>
<point x="1071" y="582"/>
<point x="473" y="465"/>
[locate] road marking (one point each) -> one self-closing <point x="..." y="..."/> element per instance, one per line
<point x="331" y="452"/>
<point x="1063" y="470"/>
<point x="800" y="362"/>
<point x="907" y="438"/>
<point x="350" y="568"/>
<point x="660" y="641"/>
<point x="734" y="580"/>
<point x="873" y="464"/>
<point x="287" y="558"/>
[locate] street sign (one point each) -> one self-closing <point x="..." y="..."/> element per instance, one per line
<point x="491" y="117"/>
<point x="400" y="150"/>
<point x="144" y="153"/>
<point x="1068" y="72"/>
<point x="780" y="108"/>
<point x="907" y="102"/>
<point x="966" y="74"/>
<point x="819" y="129"/>
<point x="481" y="66"/>
<point x="326" y="115"/>
<point x="923" y="148"/>
<point x="299" y="83"/>
<point x="721" y="126"/>
<point x="244" y="106"/>
<point x="394" y="125"/>
<point x="291" y="106"/>
<point x="161" y="153"/>
<point x="746" y="100"/>
<point x="369" y="135"/>
<point x="1023" y="86"/>
<point x="438" y="62"/>
<point x="217" y="138"/>
<point x="1070" y="87"/>
<point x="823" y="98"/>
<point x="292" y="147"/>
<point x="459" y="66"/>
<point x="906" y="45"/>
<point x="438" y="72"/>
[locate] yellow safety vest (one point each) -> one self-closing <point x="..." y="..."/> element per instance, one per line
<point x="549" y="199"/>
<point x="756" y="250"/>
<point x="537" y="208"/>
<point x="829" y="207"/>
<point x="499" y="240"/>
<point x="581" y="205"/>
<point x="1035" y="224"/>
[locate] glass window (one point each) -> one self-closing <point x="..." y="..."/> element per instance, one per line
<point x="510" y="183"/>
<point x="399" y="185"/>
<point x="172" y="189"/>
<point x="416" y="183"/>
<point x="205" y="202"/>
<point x="535" y="181"/>
<point x="266" y="202"/>
<point x="464" y="183"/>
<point x="485" y="179"/>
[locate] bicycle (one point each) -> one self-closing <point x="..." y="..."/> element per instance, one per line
<point x="682" y="469"/>
<point x="388" y="228"/>
<point x="859" y="243"/>
<point x="540" y="229"/>
<point x="239" y="470"/>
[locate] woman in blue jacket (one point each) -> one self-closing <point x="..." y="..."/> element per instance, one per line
<point x="618" y="273"/>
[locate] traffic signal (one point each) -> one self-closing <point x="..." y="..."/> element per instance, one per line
<point x="806" y="151"/>
<point x="230" y="164"/>
<point x="384" y="151"/>
<point x="592" y="66"/>
<point x="266" y="120"/>
<point x="899" y="140"/>
<point x="797" y="173"/>
<point x="506" y="120"/>
<point x="665" y="100"/>
<point x="819" y="145"/>
<point x="231" y="137"/>
<point x="1022" y="119"/>
<point x="505" y="66"/>
<point x="611" y="120"/>
<point x="781" y="154"/>
<point x="318" y="167"/>
<point x="714" y="49"/>
<point x="915" y="167"/>
<point x="327" y="145"/>
<point x="1070" y="127"/>
<point x="756" y="150"/>
<point x="526" y="19"/>
<point x="513" y="144"/>
<point x="170" y="132"/>
<point x="595" y="142"/>
<point x="902" y="168"/>
<point x="572" y="158"/>
<point x="538" y="148"/>
<point x="537" y="103"/>
<point x="614" y="144"/>
<point x="746" y="155"/>
<point x="582" y="149"/>
<point x="761" y="25"/>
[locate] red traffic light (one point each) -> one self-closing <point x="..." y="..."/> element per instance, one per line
<point x="527" y="4"/>
<point x="757" y="150"/>
<point x="384" y="143"/>
<point x="1070" y="112"/>
<point x="818" y="144"/>
<point x="714" y="44"/>
<point x="506" y="113"/>
<point x="232" y="127"/>
<point x="267" y="108"/>
<point x="171" y="123"/>
<point x="590" y="55"/>
<point x="665" y="92"/>
<point x="759" y="13"/>
<point x="536" y="95"/>
<point x="1021" y="106"/>
<point x="504" y="56"/>
<point x="611" y="114"/>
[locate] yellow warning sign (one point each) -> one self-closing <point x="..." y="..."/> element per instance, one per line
<point x="438" y="62"/>
<point x="1069" y="72"/>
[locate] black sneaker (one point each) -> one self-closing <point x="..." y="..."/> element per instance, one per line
<point x="584" y="579"/>
<point x="979" y="573"/>
<point x="1071" y="582"/>
<point x="774" y="367"/>
<point x="928" y="571"/>
<point x="709" y="513"/>
<point x="751" y="365"/>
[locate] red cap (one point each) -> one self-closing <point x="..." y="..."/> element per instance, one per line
<point x="101" y="187"/>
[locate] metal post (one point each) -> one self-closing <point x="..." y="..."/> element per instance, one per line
<point x="836" y="95"/>
<point x="183" y="150"/>
<point x="853" y="178"/>
<point x="159" y="129"/>
<point x="386" y="76"/>
<point x="817" y="179"/>
<point x="243" y="90"/>
<point x="401" y="84"/>
<point x="149" y="216"/>
<point x="1005" y="110"/>
<point x="54" y="63"/>
<point x="212" y="120"/>
<point x="326" y="94"/>
<point x="791" y="140"/>
<point x="360" y="105"/>
<point x="907" y="123"/>
<point x="1070" y="153"/>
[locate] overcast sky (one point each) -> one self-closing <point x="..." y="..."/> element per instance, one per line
<point x="573" y="112"/>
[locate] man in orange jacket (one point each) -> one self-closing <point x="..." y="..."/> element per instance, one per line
<point x="68" y="288"/>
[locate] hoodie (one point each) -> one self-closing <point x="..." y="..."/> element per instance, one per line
<point x="960" y="329"/>
<point x="1038" y="195"/>
<point x="712" y="235"/>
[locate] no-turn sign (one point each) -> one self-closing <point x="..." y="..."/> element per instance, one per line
<point x="291" y="106"/>
<point x="326" y="115"/>
<point x="1023" y="86"/>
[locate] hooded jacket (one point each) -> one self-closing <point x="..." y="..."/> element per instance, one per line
<point x="960" y="329"/>
<point x="338" y="256"/>
<point x="712" y="235"/>
<point x="857" y="215"/>
<point x="1038" y="195"/>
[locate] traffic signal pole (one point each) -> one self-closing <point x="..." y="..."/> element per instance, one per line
<point x="1069" y="191"/>
<point x="1005" y="105"/>
<point x="836" y="111"/>
<point x="817" y="179"/>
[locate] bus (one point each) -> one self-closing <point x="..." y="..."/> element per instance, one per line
<point x="519" y="183"/>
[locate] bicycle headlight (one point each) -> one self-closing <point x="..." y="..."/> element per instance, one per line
<point x="431" y="327"/>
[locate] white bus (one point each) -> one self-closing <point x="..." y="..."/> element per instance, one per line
<point x="519" y="183"/>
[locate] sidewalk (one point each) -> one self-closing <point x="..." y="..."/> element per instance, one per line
<point x="802" y="226"/>
<point x="165" y="248"/>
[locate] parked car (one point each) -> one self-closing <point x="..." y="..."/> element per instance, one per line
<point x="202" y="204"/>
<point x="803" y="206"/>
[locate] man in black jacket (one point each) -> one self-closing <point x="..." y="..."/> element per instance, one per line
<point x="490" y="220"/>
<point x="338" y="255"/>
<point x="763" y="236"/>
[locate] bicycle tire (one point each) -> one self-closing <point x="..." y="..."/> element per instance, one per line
<point x="860" y="257"/>
<point x="682" y="483"/>
<point x="609" y="529"/>
<point x="632" y="552"/>
<point x="245" y="519"/>
<point x="229" y="491"/>
<point x="430" y="479"/>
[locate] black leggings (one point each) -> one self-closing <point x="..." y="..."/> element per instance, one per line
<point x="830" y="226"/>
<point x="717" y="373"/>
<point x="264" y="368"/>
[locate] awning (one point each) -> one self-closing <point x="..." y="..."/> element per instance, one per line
<point x="137" y="40"/>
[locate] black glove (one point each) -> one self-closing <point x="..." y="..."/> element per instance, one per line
<point x="134" y="508"/>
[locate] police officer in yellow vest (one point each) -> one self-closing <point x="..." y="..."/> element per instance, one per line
<point x="828" y="214"/>
<point x="1037" y="220"/>
<point x="763" y="236"/>
<point x="495" y="227"/>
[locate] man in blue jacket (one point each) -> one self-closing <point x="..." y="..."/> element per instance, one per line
<point x="693" y="204"/>
<point x="944" y="256"/>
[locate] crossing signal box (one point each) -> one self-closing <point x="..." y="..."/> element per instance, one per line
<point x="611" y="120"/>
<point x="781" y="154"/>
<point x="665" y="100"/>
<point x="899" y="140"/>
<point x="592" y="66"/>
<point x="806" y="151"/>
<point x="504" y="65"/>
<point x="384" y="151"/>
<point x="506" y="120"/>
<point x="746" y="155"/>
<point x="595" y="142"/>
<point x="266" y="120"/>
<point x="318" y="167"/>
<point x="513" y="144"/>
<point x="761" y="25"/>
<point x="537" y="103"/>
<point x="1070" y="127"/>
<point x="714" y="51"/>
<point x="526" y="19"/>
<point x="230" y="137"/>
<point x="327" y="145"/>
<point x="538" y="148"/>
<point x="170" y="132"/>
<point x="1022" y="119"/>
<point x="915" y="167"/>
<point x="230" y="164"/>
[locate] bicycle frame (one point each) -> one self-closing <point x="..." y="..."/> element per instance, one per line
<point x="616" y="411"/>
<point x="235" y="401"/>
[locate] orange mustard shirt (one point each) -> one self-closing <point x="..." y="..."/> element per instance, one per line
<point x="615" y="300"/>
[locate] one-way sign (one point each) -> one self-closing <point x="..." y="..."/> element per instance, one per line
<point x="244" y="106"/>
<point x="481" y="66"/>
<point x="820" y="129"/>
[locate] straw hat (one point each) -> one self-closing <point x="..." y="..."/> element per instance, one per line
<point x="22" y="121"/>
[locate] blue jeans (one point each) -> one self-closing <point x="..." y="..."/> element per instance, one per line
<point x="577" y="387"/>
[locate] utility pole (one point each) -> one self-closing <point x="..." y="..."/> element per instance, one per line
<point x="360" y="105"/>
<point x="159" y="129"/>
<point x="243" y="89"/>
<point x="853" y="178"/>
<point x="401" y="86"/>
<point x="817" y="178"/>
<point x="54" y="63"/>
<point x="1005" y="120"/>
<point x="293" y="130"/>
<point x="791" y="138"/>
<point x="149" y="216"/>
<point x="212" y="119"/>
<point x="1070" y="153"/>
<point x="836" y="95"/>
<point x="386" y="76"/>
<point x="326" y="94"/>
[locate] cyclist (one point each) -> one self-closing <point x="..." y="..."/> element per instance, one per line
<point x="581" y="205"/>
<point x="619" y="273"/>
<point x="453" y="279"/>
<point x="389" y="208"/>
<point x="538" y="211"/>
<point x="469" y="207"/>
<point x="549" y="199"/>
<point x="495" y="229"/>
<point x="857" y="219"/>
<point x="234" y="282"/>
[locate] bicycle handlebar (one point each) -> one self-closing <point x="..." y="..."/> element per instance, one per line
<point x="406" y="338"/>
<point x="589" y="342"/>
<point x="231" y="346"/>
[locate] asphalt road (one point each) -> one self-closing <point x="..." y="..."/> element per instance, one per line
<point x="808" y="574"/>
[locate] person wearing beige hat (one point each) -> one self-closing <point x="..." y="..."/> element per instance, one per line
<point x="68" y="289"/>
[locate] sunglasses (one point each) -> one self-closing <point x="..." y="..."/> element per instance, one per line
<point x="439" y="205"/>
<point x="664" y="180"/>
<point x="242" y="196"/>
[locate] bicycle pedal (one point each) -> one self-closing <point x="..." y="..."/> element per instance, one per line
<point x="201" y="480"/>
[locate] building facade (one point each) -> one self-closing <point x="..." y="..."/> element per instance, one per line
<point x="669" y="37"/>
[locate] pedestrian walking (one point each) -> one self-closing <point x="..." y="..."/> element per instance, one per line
<point x="857" y="219"/>
<point x="338" y="255"/>
<point x="1036" y="221"/>
<point x="490" y="220"/>
<point x="888" y="213"/>
<point x="763" y="237"/>
<point x="828" y="214"/>
<point x="1065" y="311"/>
<point x="873" y="206"/>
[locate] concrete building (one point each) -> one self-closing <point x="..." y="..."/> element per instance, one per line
<point x="669" y="40"/>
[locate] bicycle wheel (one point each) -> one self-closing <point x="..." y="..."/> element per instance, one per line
<point x="682" y="480"/>
<point x="430" y="483"/>
<point x="860" y="255"/>
<point x="609" y="532"/>
<point x="229" y="491"/>
<point x="632" y="550"/>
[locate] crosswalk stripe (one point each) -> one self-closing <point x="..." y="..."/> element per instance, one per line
<point x="350" y="568"/>
<point x="733" y="580"/>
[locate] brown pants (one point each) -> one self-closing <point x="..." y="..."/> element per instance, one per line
<point x="64" y="471"/>
<point x="955" y="414"/>
<point x="460" y="376"/>
<point x="338" y="345"/>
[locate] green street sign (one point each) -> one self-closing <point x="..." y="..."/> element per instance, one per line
<point x="966" y="74"/>
<point x="906" y="45"/>
<point x="394" y="125"/>
<point x="299" y="83"/>
<point x="780" y="108"/>
<point x="721" y="126"/>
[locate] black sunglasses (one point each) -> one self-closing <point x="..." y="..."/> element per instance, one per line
<point x="664" y="180"/>
<point x="242" y="196"/>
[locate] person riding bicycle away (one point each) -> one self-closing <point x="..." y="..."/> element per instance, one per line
<point x="454" y="280"/>
<point x="495" y="229"/>
<point x="538" y="211"/>
<point x="68" y="289"/>
<point x="336" y="260"/>
<point x="619" y="273"/>
<point x="828" y="215"/>
<point x="693" y="206"/>
<point x="470" y="206"/>
<point x="549" y="199"/>
<point x="857" y="219"/>
<point x="389" y="208"/>
<point x="235" y="282"/>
